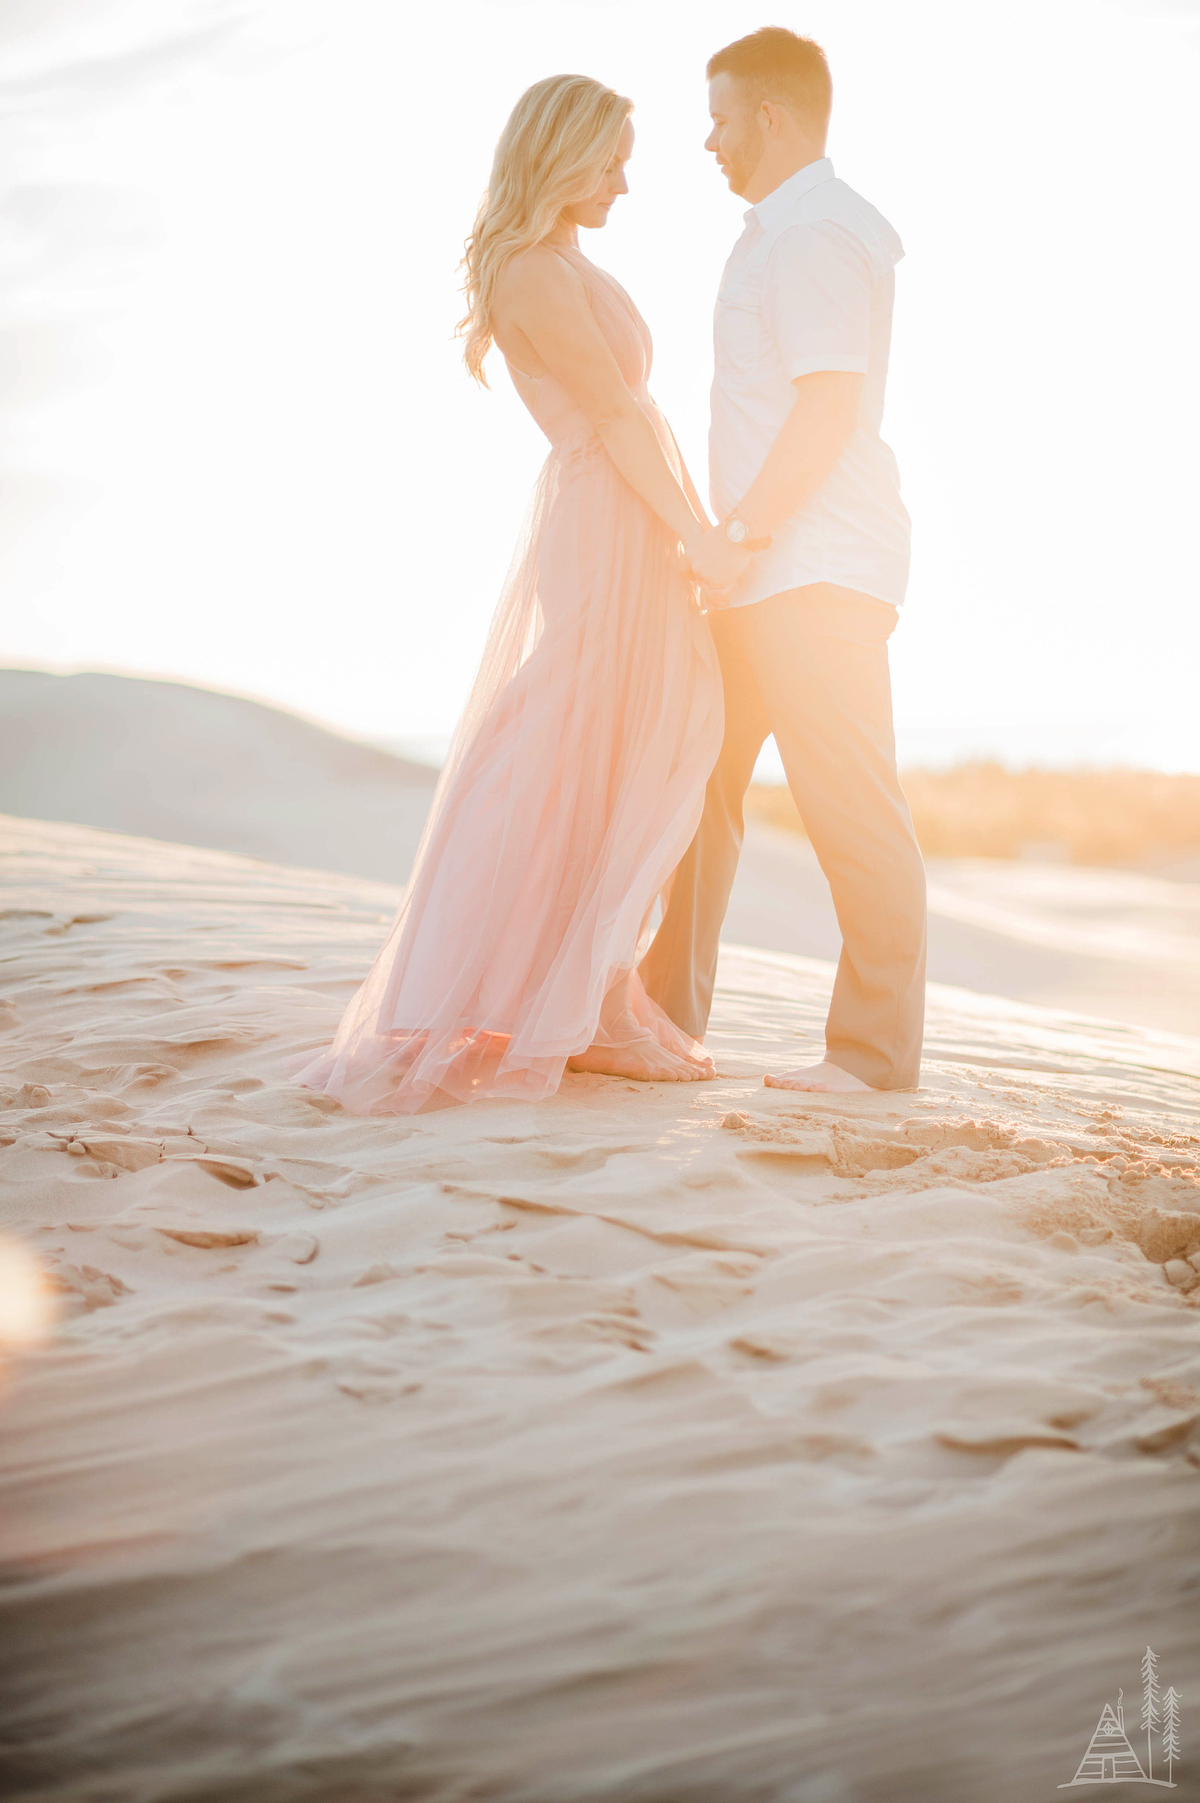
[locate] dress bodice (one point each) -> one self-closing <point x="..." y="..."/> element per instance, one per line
<point x="628" y="338"/>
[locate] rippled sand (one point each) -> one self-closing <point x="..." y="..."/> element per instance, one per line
<point x="686" y="1444"/>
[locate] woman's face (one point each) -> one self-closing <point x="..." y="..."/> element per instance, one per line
<point x="593" y="212"/>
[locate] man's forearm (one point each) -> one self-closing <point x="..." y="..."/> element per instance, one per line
<point x="810" y="441"/>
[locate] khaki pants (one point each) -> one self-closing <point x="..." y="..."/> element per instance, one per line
<point x="811" y="666"/>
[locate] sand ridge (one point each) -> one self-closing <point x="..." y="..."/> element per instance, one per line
<point x="654" y="1442"/>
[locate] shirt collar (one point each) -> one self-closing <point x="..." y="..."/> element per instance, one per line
<point x="773" y="208"/>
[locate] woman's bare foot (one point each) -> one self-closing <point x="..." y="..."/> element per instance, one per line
<point x="643" y="1059"/>
<point x="823" y="1076"/>
<point x="626" y="1046"/>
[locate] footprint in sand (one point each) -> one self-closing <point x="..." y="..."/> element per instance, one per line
<point x="376" y="1274"/>
<point x="87" y="1287"/>
<point x="208" y="1238"/>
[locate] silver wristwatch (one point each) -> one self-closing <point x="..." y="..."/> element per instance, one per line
<point x="738" y="533"/>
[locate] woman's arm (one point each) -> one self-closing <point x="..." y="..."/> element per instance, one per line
<point x="547" y="300"/>
<point x="689" y="487"/>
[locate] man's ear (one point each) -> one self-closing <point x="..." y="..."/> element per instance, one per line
<point x="773" y="120"/>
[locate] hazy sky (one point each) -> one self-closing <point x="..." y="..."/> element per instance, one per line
<point x="239" y="446"/>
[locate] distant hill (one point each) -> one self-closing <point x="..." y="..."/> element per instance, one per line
<point x="167" y="761"/>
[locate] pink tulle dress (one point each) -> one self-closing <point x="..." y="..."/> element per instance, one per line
<point x="573" y="786"/>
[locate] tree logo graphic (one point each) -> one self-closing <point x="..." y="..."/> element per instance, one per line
<point x="1110" y="1758"/>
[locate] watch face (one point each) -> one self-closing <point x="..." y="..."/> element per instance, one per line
<point x="735" y="531"/>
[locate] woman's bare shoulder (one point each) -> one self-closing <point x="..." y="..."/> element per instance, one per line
<point x="537" y="276"/>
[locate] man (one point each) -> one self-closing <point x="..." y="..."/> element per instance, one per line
<point x="809" y="559"/>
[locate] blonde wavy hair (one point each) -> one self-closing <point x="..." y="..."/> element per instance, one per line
<point x="551" y="155"/>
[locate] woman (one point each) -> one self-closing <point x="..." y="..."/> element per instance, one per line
<point x="576" y="777"/>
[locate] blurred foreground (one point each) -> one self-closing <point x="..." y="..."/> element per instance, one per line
<point x="702" y="1442"/>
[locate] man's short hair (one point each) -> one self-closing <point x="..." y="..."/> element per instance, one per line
<point x="775" y="64"/>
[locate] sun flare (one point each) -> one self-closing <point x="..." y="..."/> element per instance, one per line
<point x="26" y="1299"/>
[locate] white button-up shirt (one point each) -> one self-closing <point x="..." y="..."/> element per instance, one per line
<point x="809" y="286"/>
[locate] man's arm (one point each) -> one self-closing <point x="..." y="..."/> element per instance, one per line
<point x="817" y="317"/>
<point x="813" y="437"/>
<point x="811" y="440"/>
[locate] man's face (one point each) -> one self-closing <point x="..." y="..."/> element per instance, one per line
<point x="736" y="138"/>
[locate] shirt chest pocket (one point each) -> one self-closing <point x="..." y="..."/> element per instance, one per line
<point x="737" y="335"/>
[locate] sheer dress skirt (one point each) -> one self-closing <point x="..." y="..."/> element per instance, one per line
<point x="574" y="784"/>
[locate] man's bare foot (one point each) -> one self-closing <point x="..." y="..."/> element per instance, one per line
<point x="824" y="1076"/>
<point x="644" y="1060"/>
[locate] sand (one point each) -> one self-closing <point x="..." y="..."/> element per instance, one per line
<point x="686" y="1444"/>
<point x="185" y="764"/>
<point x="1122" y="944"/>
<point x="168" y="760"/>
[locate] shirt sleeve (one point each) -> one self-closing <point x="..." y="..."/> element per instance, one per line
<point x="817" y="299"/>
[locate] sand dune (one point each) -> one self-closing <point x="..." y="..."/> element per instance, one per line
<point x="678" y="1445"/>
<point x="164" y="760"/>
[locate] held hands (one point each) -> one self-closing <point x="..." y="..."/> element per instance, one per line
<point x="715" y="564"/>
